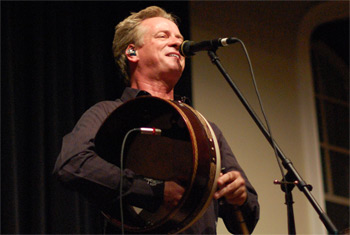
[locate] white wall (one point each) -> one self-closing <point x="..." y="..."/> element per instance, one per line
<point x="276" y="36"/>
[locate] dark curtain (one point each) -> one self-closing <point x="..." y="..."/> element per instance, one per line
<point x="56" y="62"/>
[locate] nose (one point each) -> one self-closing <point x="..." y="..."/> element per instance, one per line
<point x="175" y="42"/>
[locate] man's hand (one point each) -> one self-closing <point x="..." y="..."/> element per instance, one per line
<point x="172" y="194"/>
<point x="231" y="186"/>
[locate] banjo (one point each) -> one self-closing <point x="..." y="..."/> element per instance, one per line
<point x="187" y="152"/>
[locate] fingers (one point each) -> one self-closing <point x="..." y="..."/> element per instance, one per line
<point x="172" y="194"/>
<point x="228" y="178"/>
<point x="231" y="186"/>
<point x="238" y="197"/>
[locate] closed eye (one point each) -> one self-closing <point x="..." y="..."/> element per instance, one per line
<point x="162" y="35"/>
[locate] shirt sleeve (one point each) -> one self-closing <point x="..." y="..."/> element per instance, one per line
<point x="80" y="168"/>
<point x="250" y="209"/>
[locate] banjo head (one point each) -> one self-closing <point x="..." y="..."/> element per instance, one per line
<point x="187" y="152"/>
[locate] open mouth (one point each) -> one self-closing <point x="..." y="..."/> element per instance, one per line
<point x="174" y="55"/>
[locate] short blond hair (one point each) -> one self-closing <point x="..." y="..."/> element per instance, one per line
<point x="127" y="32"/>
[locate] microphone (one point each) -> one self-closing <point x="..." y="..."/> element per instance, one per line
<point x="150" y="131"/>
<point x="188" y="48"/>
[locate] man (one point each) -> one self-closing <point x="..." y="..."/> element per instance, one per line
<point x="146" y="48"/>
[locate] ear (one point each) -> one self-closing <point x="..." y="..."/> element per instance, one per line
<point x="131" y="53"/>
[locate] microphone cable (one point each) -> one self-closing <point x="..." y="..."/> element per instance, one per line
<point x="141" y="130"/>
<point x="262" y="110"/>
<point x="122" y="175"/>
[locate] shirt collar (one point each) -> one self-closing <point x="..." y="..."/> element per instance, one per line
<point x="131" y="93"/>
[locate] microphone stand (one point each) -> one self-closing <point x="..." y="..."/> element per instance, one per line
<point x="292" y="174"/>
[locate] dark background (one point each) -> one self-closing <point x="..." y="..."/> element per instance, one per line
<point x="56" y="62"/>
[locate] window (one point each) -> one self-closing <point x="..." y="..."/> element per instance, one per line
<point x="330" y="64"/>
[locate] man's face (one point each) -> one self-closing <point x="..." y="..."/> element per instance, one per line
<point x="159" y="55"/>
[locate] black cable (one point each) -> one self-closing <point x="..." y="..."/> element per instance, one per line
<point x="262" y="110"/>
<point x="121" y="177"/>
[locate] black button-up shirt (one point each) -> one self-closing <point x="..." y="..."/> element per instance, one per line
<point x="79" y="167"/>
